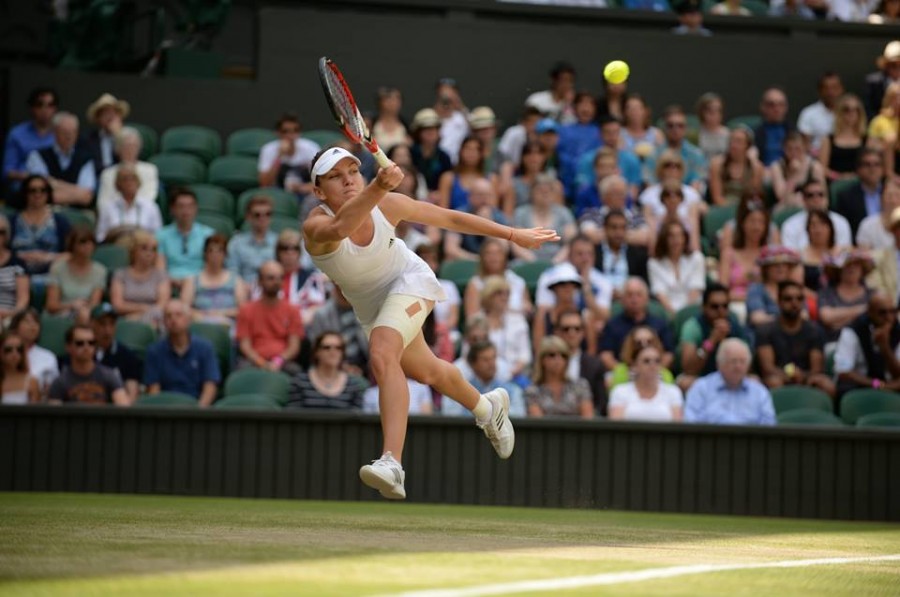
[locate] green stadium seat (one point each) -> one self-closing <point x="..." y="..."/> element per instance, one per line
<point x="84" y="218"/>
<point x="179" y="168"/>
<point x="218" y="222"/>
<point x="248" y="142"/>
<point x="458" y="271"/>
<point x="757" y="8"/>
<point x="794" y="396"/>
<point x="167" y="400"/>
<point x="530" y="272"/>
<point x="283" y="202"/>
<point x="53" y="332"/>
<point x="149" y="139"/>
<point x="136" y="335"/>
<point x="200" y="141"/>
<point x="37" y="297"/>
<point x="219" y="335"/>
<point x="280" y="223"/>
<point x="112" y="256"/>
<point x="779" y="218"/>
<point x="324" y="137"/>
<point x="258" y="381"/>
<point x="212" y="198"/>
<point x="749" y="120"/>
<point x="858" y="403"/>
<point x="233" y="172"/>
<point x="837" y="187"/>
<point x="681" y="317"/>
<point x="879" y="420"/>
<point x="714" y="220"/>
<point x="248" y="401"/>
<point x="808" y="416"/>
<point x="654" y="308"/>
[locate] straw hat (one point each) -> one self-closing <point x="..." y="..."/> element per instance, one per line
<point x="775" y="254"/>
<point x="425" y="118"/>
<point x="482" y="117"/>
<point x="108" y="100"/>
<point x="835" y="263"/>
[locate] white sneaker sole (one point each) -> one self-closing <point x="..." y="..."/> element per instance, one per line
<point x="386" y="487"/>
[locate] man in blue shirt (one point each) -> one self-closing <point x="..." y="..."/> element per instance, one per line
<point x="181" y="362"/>
<point x="769" y="135"/>
<point x="28" y="136"/>
<point x="247" y="251"/>
<point x="728" y="396"/>
<point x="181" y="242"/>
<point x="67" y="163"/>
<point x="482" y="373"/>
<point x="635" y="303"/>
<point x="696" y="170"/>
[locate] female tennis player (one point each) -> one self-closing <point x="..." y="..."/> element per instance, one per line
<point x="350" y="237"/>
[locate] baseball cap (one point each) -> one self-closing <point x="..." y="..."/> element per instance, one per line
<point x="546" y="125"/>
<point x="103" y="310"/>
<point x="329" y="159"/>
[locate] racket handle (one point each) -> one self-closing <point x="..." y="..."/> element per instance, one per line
<point x="382" y="159"/>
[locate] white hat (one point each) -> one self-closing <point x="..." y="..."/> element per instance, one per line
<point x="329" y="159"/>
<point x="482" y="117"/>
<point x="108" y="100"/>
<point x="564" y="273"/>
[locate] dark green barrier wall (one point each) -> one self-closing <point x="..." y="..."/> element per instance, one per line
<point x="498" y="52"/>
<point x="842" y="474"/>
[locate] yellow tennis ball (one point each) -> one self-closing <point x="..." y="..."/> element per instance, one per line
<point x="616" y="71"/>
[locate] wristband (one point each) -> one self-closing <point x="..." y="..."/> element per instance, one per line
<point x="278" y="361"/>
<point x="708" y="345"/>
<point x="877" y="383"/>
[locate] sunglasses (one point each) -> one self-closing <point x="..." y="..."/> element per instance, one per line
<point x="870" y="164"/>
<point x="671" y="165"/>
<point x="332" y="347"/>
<point x="83" y="343"/>
<point x="148" y="247"/>
<point x="792" y="298"/>
<point x="288" y="131"/>
<point x="650" y="361"/>
<point x="38" y="190"/>
<point x="262" y="214"/>
<point x="288" y="247"/>
<point x="718" y="306"/>
<point x="571" y="328"/>
<point x="553" y="355"/>
<point x="676" y="125"/>
<point x="10" y="348"/>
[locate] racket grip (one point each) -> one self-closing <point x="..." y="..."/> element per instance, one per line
<point x="382" y="159"/>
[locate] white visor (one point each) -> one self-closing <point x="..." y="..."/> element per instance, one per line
<point x="329" y="159"/>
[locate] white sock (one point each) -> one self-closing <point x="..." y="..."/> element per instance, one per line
<point x="483" y="410"/>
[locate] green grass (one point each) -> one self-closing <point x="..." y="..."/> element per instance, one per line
<point x="76" y="544"/>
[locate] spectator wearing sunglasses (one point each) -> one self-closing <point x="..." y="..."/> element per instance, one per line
<point x="675" y="133"/>
<point x="868" y="350"/>
<point x="15" y="288"/>
<point x="285" y="161"/>
<point x="34" y="134"/>
<point x="84" y="381"/>
<point x="249" y="250"/>
<point x="327" y="385"/>
<point x="790" y="350"/>
<point x="37" y="234"/>
<point x="646" y="397"/>
<point x="793" y="231"/>
<point x="141" y="290"/>
<point x="76" y="284"/>
<point x="306" y="288"/>
<point x="552" y="393"/>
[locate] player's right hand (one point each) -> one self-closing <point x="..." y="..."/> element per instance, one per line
<point x="389" y="178"/>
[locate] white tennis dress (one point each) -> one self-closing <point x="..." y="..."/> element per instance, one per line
<point x="367" y="275"/>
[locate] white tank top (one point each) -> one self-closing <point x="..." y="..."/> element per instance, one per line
<point x="17" y="396"/>
<point x="367" y="275"/>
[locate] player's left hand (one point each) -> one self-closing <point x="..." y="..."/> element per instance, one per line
<point x="533" y="238"/>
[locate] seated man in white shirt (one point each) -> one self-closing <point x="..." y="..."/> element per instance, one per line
<point x="815" y="196"/>
<point x="285" y="162"/>
<point x="816" y="121"/>
<point x="128" y="211"/>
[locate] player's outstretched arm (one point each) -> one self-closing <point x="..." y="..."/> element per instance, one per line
<point x="321" y="229"/>
<point x="400" y="207"/>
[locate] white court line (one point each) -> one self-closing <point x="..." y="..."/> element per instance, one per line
<point x="612" y="578"/>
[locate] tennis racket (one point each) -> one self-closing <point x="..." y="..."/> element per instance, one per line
<point x="344" y="109"/>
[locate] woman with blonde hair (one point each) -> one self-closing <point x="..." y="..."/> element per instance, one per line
<point x="646" y="397"/>
<point x="493" y="260"/>
<point x="17" y="385"/>
<point x="141" y="290"/>
<point x="840" y="150"/>
<point x="507" y="329"/>
<point x="307" y="289"/>
<point x="552" y="392"/>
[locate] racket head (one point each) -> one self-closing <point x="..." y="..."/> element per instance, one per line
<point x="345" y="111"/>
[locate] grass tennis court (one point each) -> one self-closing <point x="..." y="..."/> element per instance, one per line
<point x="77" y="544"/>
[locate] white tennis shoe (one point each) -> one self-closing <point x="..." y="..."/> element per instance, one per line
<point x="386" y="475"/>
<point x="499" y="428"/>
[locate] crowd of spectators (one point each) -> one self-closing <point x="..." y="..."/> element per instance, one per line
<point x="700" y="264"/>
